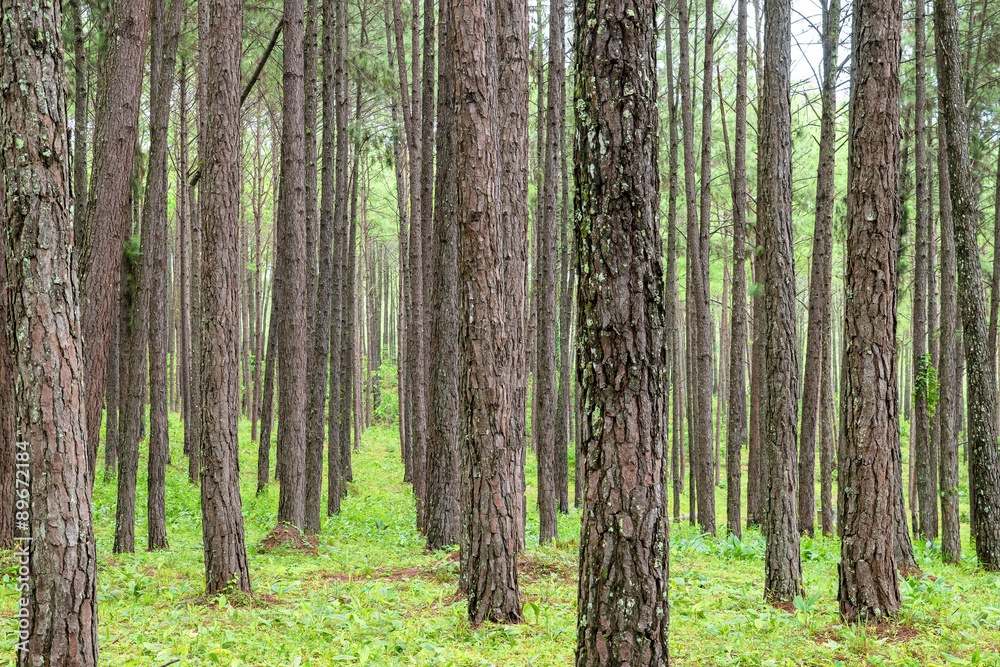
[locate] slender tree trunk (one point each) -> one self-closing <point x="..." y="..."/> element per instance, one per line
<point x="443" y="511"/>
<point x="81" y="119"/>
<point x="55" y="524"/>
<point x="951" y="541"/>
<point x="870" y="457"/>
<point x="291" y="237"/>
<point x="221" y="507"/>
<point x="349" y="343"/>
<point x="984" y="467"/>
<point x="108" y="213"/>
<point x="317" y="350"/>
<point x="544" y="380"/>
<point x="155" y="268"/>
<point x="624" y="613"/>
<point x="699" y="324"/>
<point x="112" y="402"/>
<point x="672" y="296"/>
<point x="783" y="565"/>
<point x="8" y="439"/>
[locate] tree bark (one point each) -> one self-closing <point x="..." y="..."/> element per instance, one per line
<point x="108" y="213"/>
<point x="81" y="119"/>
<point x="53" y="491"/>
<point x="624" y="554"/>
<point x="491" y="339"/>
<point x="544" y="380"/>
<point x="868" y="589"/>
<point x="291" y="237"/>
<point x="984" y="466"/>
<point x="221" y="506"/>
<point x="443" y="511"/>
<point x="782" y="561"/>
<point x="947" y="413"/>
<point x="736" y="434"/>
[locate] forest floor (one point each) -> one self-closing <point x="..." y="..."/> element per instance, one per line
<point x="369" y="594"/>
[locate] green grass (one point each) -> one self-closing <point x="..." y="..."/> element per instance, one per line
<point x="372" y="596"/>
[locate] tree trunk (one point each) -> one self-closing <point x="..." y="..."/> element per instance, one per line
<point x="80" y="121"/>
<point x="984" y="467"/>
<point x="624" y="613"/>
<point x="165" y="39"/>
<point x="736" y="425"/>
<point x="315" y="353"/>
<point x="783" y="565"/>
<point x="672" y="296"/>
<point x="221" y="506"/>
<point x="491" y="338"/>
<point x="544" y="380"/>
<point x="443" y="511"/>
<point x="348" y="313"/>
<point x="291" y="244"/>
<point x="951" y="541"/>
<point x="699" y="320"/>
<point x="870" y="458"/>
<point x="108" y="213"/>
<point x="54" y="520"/>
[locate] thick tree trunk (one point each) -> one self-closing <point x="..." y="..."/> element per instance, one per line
<point x="55" y="529"/>
<point x="624" y="613"/>
<point x="491" y="335"/>
<point x="783" y="565"/>
<point x="108" y="212"/>
<point x="221" y="506"/>
<point x="870" y="457"/>
<point x="349" y="340"/>
<point x="984" y="467"/>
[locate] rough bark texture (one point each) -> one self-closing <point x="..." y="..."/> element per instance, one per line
<point x="919" y="441"/>
<point x="53" y="487"/>
<point x="443" y="517"/>
<point x="318" y="330"/>
<point x="868" y="588"/>
<point x="491" y="340"/>
<point x="624" y="539"/>
<point x="81" y="119"/>
<point x="512" y="55"/>
<point x="155" y="260"/>
<point x="221" y="505"/>
<point x="984" y="459"/>
<point x="8" y="461"/>
<point x="544" y="380"/>
<point x="947" y="409"/>
<point x="783" y="565"/>
<point x="119" y="93"/>
<point x="291" y="236"/>
<point x="736" y="433"/>
<point x="338" y="41"/>
<point x="267" y="400"/>
<point x="673" y="319"/>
